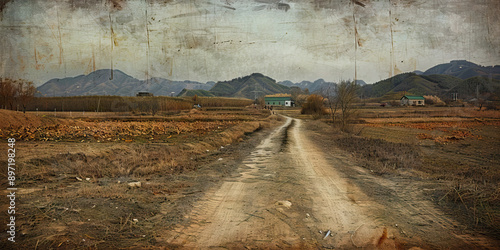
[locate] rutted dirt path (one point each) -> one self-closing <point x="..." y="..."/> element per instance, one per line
<point x="289" y="193"/>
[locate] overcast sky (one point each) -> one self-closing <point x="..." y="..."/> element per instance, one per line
<point x="214" y="40"/>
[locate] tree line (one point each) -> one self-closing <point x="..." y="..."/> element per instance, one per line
<point x="20" y="95"/>
<point x="138" y="105"/>
<point x="16" y="94"/>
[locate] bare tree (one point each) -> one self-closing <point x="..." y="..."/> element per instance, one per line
<point x="330" y="95"/>
<point x="8" y="92"/>
<point x="482" y="100"/>
<point x="347" y="94"/>
<point x="340" y="97"/>
<point x="295" y="92"/>
<point x="25" y="92"/>
<point x="261" y="101"/>
<point x="195" y="99"/>
<point x="299" y="96"/>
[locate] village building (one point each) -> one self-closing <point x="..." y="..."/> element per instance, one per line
<point x="412" y="100"/>
<point x="279" y="100"/>
<point x="144" y="93"/>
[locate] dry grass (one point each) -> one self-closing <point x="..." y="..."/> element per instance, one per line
<point x="427" y="112"/>
<point x="110" y="104"/>
<point x="457" y="147"/>
<point x="116" y="128"/>
<point x="76" y="195"/>
<point x="381" y="156"/>
<point x="136" y="160"/>
<point x="223" y="102"/>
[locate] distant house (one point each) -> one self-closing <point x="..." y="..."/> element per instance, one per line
<point x="144" y="93"/>
<point x="279" y="100"/>
<point x="412" y="100"/>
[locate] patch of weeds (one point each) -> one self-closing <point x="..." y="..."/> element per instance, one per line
<point x="381" y="156"/>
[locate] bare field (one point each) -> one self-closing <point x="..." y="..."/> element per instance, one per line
<point x="197" y="179"/>
<point x="299" y="190"/>
<point x="455" y="151"/>
<point x="108" y="182"/>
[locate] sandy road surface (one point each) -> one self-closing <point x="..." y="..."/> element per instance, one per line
<point x="290" y="193"/>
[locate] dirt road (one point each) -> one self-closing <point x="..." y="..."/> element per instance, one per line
<point x="291" y="193"/>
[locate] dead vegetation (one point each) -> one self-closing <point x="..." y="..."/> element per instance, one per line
<point x="115" y="194"/>
<point x="381" y="156"/>
<point x="144" y="105"/>
<point x="314" y="106"/>
<point x="455" y="149"/>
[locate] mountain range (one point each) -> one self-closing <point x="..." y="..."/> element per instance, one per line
<point x="459" y="76"/>
<point x="439" y="85"/>
<point x="464" y="69"/>
<point x="115" y="82"/>
<point x="315" y="86"/>
<point x="251" y="87"/>
<point x="464" y="78"/>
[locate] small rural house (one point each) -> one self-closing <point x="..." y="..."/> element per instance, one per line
<point x="412" y="100"/>
<point x="279" y="100"/>
<point x="144" y="93"/>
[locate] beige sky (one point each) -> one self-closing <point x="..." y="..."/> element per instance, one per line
<point x="220" y="40"/>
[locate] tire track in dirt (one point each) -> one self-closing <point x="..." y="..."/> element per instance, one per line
<point x="334" y="200"/>
<point x="288" y="193"/>
<point x="241" y="211"/>
<point x="400" y="202"/>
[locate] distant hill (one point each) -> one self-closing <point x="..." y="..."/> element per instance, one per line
<point x="116" y="82"/>
<point x="380" y="88"/>
<point x="98" y="82"/>
<point x="440" y="85"/>
<point x="250" y="86"/>
<point x="107" y="82"/>
<point x="469" y="87"/>
<point x="193" y="92"/>
<point x="315" y="86"/>
<point x="360" y="82"/>
<point x="464" y="69"/>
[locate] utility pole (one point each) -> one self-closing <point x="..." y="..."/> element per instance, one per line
<point x="98" y="104"/>
<point x="111" y="39"/>
<point x="255" y="93"/>
<point x="477" y="91"/>
<point x="148" y="49"/>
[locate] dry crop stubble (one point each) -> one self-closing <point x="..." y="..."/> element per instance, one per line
<point x="77" y="193"/>
<point x="455" y="148"/>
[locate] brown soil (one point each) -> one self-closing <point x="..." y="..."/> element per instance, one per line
<point x="297" y="190"/>
<point x="76" y="195"/>
<point x="288" y="186"/>
<point x="13" y="119"/>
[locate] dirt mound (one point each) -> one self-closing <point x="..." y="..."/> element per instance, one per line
<point x="194" y="111"/>
<point x="14" y="119"/>
<point x="18" y="119"/>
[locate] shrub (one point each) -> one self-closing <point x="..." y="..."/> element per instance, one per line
<point x="313" y="106"/>
<point x="433" y="100"/>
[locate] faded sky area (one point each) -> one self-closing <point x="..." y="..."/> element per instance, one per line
<point x="214" y="40"/>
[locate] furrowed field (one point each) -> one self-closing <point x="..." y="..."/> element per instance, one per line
<point x="107" y="179"/>
<point x="120" y="178"/>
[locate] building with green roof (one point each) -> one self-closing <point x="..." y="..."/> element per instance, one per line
<point x="276" y="100"/>
<point x="412" y="100"/>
